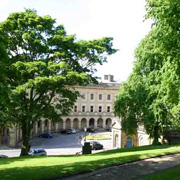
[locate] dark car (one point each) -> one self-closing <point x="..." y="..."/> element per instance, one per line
<point x="108" y="129"/>
<point x="96" y="145"/>
<point x="63" y="131"/>
<point x="3" y="156"/>
<point x="36" y="152"/>
<point x="46" y="135"/>
<point x="90" y="130"/>
<point x="66" y="131"/>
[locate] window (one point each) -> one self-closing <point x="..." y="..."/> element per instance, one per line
<point x="91" y="108"/>
<point x="108" y="97"/>
<point x="108" y="109"/>
<point x="100" y="96"/>
<point x="92" y="96"/>
<point x="83" y="108"/>
<point x="100" y="108"/>
<point x="105" y="77"/>
<point x="83" y="95"/>
<point x="75" y="108"/>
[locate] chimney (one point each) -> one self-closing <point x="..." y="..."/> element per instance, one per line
<point x="109" y="78"/>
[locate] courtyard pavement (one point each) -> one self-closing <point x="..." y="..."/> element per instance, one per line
<point x="58" y="145"/>
<point x="133" y="170"/>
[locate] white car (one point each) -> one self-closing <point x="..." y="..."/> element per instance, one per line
<point x="73" y="131"/>
<point x="36" y="152"/>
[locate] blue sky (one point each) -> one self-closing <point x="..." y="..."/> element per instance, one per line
<point x="91" y="19"/>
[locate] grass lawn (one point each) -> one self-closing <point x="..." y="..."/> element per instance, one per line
<point x="98" y="137"/>
<point x="44" y="167"/>
<point x="172" y="174"/>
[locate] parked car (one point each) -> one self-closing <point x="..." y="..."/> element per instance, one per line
<point x="3" y="156"/>
<point x="95" y="145"/>
<point x="63" y="131"/>
<point x="108" y="129"/>
<point x="46" y="135"/>
<point x="36" y="152"/>
<point x="73" y="131"/>
<point x="90" y="130"/>
<point x="66" y="131"/>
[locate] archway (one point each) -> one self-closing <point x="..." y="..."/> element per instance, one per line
<point x="128" y="142"/>
<point x="116" y="141"/>
<point x="4" y="136"/>
<point x="75" y="123"/>
<point x="108" y="123"/>
<point x="39" y="124"/>
<point x="46" y="125"/>
<point x="91" y="123"/>
<point x="60" y="124"/>
<point x="100" y="123"/>
<point x="68" y="123"/>
<point x="141" y="141"/>
<point x="53" y="126"/>
<point x="83" y="123"/>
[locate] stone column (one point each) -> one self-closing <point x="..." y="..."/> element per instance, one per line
<point x="79" y="124"/>
<point x="12" y="137"/>
<point x="95" y="123"/>
<point x="120" y="139"/>
<point x="49" y="126"/>
<point x="36" y="127"/>
<point x="20" y="133"/>
<point x="104" y="123"/>
<point x="64" y="124"/>
<point x="42" y="126"/>
<point x="71" y="121"/>
<point x="56" y="127"/>
<point x="87" y="123"/>
<point x="0" y="137"/>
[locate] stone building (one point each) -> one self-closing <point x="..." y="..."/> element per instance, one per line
<point x="120" y="139"/>
<point x="93" y="109"/>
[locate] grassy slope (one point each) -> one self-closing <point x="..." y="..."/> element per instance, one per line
<point x="172" y="174"/>
<point x="56" y="166"/>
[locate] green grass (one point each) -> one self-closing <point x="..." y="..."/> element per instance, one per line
<point x="172" y="174"/>
<point x="98" y="137"/>
<point x="30" y="168"/>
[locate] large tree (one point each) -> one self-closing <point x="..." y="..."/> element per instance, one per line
<point x="43" y="64"/>
<point x="3" y="61"/>
<point x="153" y="88"/>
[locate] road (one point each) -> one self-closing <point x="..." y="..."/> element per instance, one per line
<point x="58" y="145"/>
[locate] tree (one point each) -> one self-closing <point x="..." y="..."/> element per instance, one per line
<point x="3" y="60"/>
<point x="43" y="64"/>
<point x="153" y="87"/>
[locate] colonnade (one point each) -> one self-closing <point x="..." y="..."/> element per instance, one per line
<point x="71" y="123"/>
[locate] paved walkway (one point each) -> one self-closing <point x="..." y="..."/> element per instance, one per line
<point x="132" y="170"/>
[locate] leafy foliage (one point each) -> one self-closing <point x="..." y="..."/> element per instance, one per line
<point x="43" y="63"/>
<point x="153" y="88"/>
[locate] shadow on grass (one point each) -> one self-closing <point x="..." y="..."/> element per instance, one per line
<point x="132" y="149"/>
<point x="57" y="171"/>
<point x="122" y="150"/>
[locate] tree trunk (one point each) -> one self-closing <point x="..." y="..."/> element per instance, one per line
<point x="26" y="128"/>
<point x="156" y="135"/>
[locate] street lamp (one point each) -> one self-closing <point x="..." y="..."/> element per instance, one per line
<point x="85" y="129"/>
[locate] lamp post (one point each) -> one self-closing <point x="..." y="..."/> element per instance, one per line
<point x="85" y="129"/>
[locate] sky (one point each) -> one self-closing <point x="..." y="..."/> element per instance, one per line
<point x="91" y="19"/>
